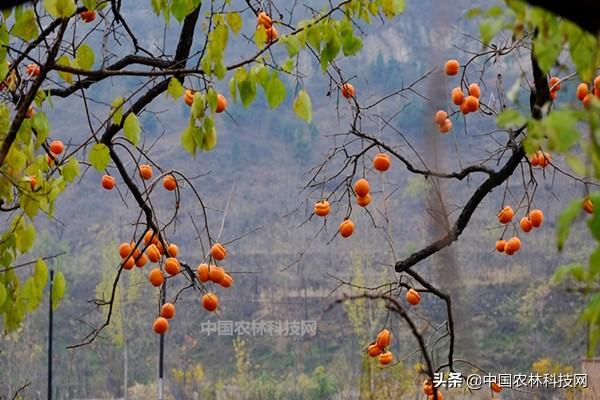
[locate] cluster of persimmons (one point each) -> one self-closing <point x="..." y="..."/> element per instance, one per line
<point x="154" y="252"/>
<point x="528" y="222"/>
<point x="265" y="20"/>
<point x="468" y="103"/>
<point x="428" y="390"/>
<point x="585" y="95"/>
<point x="381" y="163"/>
<point x="384" y="338"/>
<point x="379" y="346"/>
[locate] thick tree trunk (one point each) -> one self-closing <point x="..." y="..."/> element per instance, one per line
<point x="582" y="12"/>
<point x="11" y="3"/>
<point x="446" y="275"/>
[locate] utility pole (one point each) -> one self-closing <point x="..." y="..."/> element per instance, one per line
<point x="50" y="337"/>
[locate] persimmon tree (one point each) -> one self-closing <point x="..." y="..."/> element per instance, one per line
<point x="56" y="49"/>
<point x="523" y="150"/>
<point x="60" y="49"/>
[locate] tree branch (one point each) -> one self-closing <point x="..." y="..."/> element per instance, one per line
<point x="394" y="305"/>
<point x="28" y="99"/>
<point x="102" y="74"/>
<point x="496" y="179"/>
<point x="183" y="50"/>
<point x="446" y="298"/>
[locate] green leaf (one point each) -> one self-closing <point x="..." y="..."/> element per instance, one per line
<point x="3" y="70"/>
<point x="31" y="295"/>
<point x="288" y="65"/>
<point x="24" y="238"/>
<point x="25" y="26"/>
<point x="3" y="294"/>
<point x="70" y="170"/>
<point x="233" y="88"/>
<point x="535" y="136"/>
<point x="99" y="156"/>
<point x="65" y="61"/>
<point x="313" y="35"/>
<point x="260" y="73"/>
<point x="275" y="91"/>
<point x="132" y="129"/>
<point x="235" y="22"/>
<point x="391" y="8"/>
<point x="24" y="132"/>
<point x="208" y="124"/>
<point x="30" y="205"/>
<point x="175" y="89"/>
<point x="351" y="44"/>
<point x="209" y="140"/>
<point x="594" y="222"/>
<point x="16" y="158"/>
<point x="40" y="273"/>
<point x="4" y="37"/>
<point x="40" y="123"/>
<point x="576" y="163"/>
<point x="59" y="286"/>
<point x="583" y="48"/>
<point x="566" y="218"/>
<point x="90" y="4"/>
<point x="594" y="264"/>
<point x="181" y="8"/>
<point x="472" y="13"/>
<point x="157" y="5"/>
<point x="494" y="11"/>
<point x="591" y="314"/>
<point x="85" y="57"/>
<point x="198" y="136"/>
<point x="40" y="97"/>
<point x="490" y="28"/>
<point x="593" y="340"/>
<point x="220" y="69"/>
<point x="211" y="98"/>
<point x="511" y="118"/>
<point x="187" y="141"/>
<point x="303" y="106"/>
<point x="292" y="44"/>
<point x="576" y="271"/>
<point x="561" y="129"/>
<point x="218" y="40"/>
<point x="547" y="48"/>
<point x="333" y="44"/>
<point x="13" y="316"/>
<point x="4" y="118"/>
<point x="260" y="36"/>
<point x="247" y="91"/>
<point x="60" y="8"/>
<point x="198" y="105"/>
<point x="116" y="110"/>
